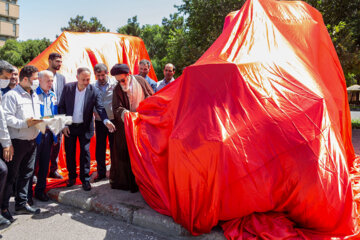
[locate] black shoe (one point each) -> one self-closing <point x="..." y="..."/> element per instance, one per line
<point x="4" y="221"/>
<point x="7" y="215"/>
<point x="86" y="186"/>
<point x="26" y="209"/>
<point x="30" y="201"/>
<point x="99" y="178"/>
<point x="42" y="197"/>
<point x="55" y="175"/>
<point x="70" y="182"/>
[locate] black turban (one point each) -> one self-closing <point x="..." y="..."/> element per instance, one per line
<point x="119" y="69"/>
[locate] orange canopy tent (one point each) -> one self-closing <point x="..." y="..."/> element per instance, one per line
<point x="86" y="50"/>
<point x="255" y="135"/>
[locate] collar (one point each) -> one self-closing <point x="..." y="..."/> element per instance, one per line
<point x="106" y="84"/>
<point x="40" y="91"/>
<point x="171" y="80"/>
<point x="22" y="91"/>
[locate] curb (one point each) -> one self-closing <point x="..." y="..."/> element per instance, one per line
<point x="127" y="207"/>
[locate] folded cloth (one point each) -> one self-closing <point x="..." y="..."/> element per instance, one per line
<point x="55" y="123"/>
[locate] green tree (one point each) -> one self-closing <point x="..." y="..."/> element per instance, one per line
<point x="203" y="25"/>
<point x="11" y="52"/>
<point x="131" y="28"/>
<point x="342" y="18"/>
<point x="19" y="53"/>
<point x="79" y="24"/>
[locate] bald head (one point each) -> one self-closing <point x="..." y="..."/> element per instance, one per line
<point x="169" y="71"/>
<point x="46" y="79"/>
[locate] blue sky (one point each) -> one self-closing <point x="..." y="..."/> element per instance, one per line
<point x="44" y="18"/>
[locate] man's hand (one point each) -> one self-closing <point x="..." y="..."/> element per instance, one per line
<point x="8" y="153"/>
<point x="31" y="122"/>
<point x="110" y="126"/>
<point x="96" y="115"/>
<point x="66" y="131"/>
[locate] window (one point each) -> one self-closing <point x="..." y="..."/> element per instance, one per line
<point x="14" y="29"/>
<point x="7" y="8"/>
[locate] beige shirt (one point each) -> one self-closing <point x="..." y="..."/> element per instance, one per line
<point x="19" y="106"/>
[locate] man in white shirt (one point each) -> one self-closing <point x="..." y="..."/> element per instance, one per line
<point x="169" y="71"/>
<point x="78" y="100"/>
<point x="22" y="111"/>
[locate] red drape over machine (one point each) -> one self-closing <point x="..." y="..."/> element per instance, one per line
<point x="257" y="133"/>
<point x="86" y="50"/>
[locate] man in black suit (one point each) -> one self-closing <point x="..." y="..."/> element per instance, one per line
<point x="78" y="100"/>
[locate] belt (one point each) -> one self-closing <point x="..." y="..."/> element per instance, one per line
<point x="77" y="124"/>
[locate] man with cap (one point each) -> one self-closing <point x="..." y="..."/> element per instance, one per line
<point x="128" y="94"/>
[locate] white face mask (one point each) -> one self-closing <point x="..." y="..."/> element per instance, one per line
<point x="35" y="84"/>
<point x="4" y="83"/>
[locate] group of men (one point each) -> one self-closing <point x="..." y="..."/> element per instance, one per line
<point x="26" y="153"/>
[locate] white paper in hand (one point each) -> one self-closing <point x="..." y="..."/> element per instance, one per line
<point x="55" y="124"/>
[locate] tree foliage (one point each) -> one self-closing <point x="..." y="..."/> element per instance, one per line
<point x="19" y="53"/>
<point x="185" y="35"/>
<point x="131" y="28"/>
<point x="79" y="24"/>
<point x="342" y="18"/>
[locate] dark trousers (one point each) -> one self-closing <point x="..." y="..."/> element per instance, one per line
<point x="102" y="133"/>
<point x="3" y="175"/>
<point x="20" y="169"/>
<point x="42" y="163"/>
<point x="54" y="155"/>
<point x="78" y="132"/>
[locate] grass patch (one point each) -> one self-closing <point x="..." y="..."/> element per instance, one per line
<point x="355" y="124"/>
<point x="354" y="107"/>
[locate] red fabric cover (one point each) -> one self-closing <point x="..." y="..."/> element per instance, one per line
<point x="256" y="134"/>
<point x="88" y="49"/>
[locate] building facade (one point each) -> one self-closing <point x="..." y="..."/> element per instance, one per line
<point x="9" y="14"/>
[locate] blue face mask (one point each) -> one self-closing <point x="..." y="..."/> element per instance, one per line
<point x="4" y="83"/>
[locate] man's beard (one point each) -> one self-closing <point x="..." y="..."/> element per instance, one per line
<point x="125" y="87"/>
<point x="56" y="67"/>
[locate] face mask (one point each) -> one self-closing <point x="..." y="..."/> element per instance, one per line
<point x="35" y="84"/>
<point x="4" y="83"/>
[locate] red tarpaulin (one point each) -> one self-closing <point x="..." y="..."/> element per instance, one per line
<point x="86" y="50"/>
<point x="256" y="134"/>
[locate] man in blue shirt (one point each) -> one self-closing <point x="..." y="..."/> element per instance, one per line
<point x="144" y="68"/>
<point x="48" y="107"/>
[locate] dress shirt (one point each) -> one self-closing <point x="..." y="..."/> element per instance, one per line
<point x="106" y="93"/>
<point x="162" y="84"/>
<point x="19" y="106"/>
<point x="78" y="115"/>
<point x="4" y="133"/>
<point x="152" y="83"/>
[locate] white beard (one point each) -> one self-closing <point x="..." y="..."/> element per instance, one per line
<point x="126" y="87"/>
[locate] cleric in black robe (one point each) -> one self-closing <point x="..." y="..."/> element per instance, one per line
<point x="128" y="93"/>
